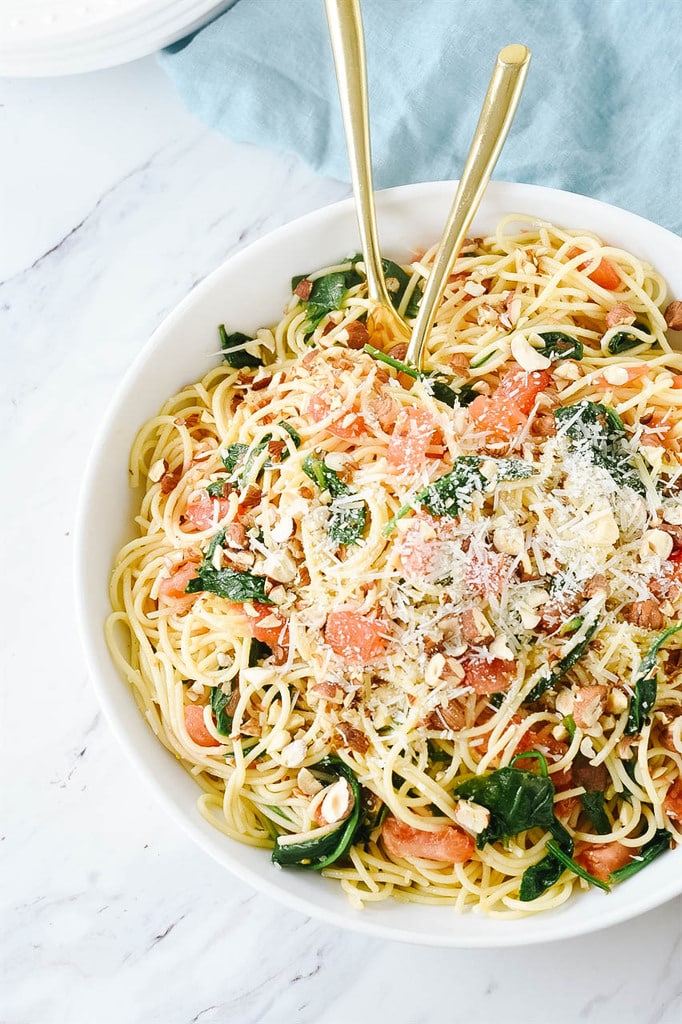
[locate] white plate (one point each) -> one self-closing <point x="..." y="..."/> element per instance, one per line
<point x="61" y="37"/>
<point x="248" y="291"/>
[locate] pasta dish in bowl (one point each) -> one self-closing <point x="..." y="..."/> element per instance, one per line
<point x="419" y="632"/>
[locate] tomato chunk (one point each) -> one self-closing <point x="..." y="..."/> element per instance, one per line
<point x="507" y="409"/>
<point x="601" y="860"/>
<point x="356" y="638"/>
<point x="489" y="676"/>
<point x="415" y="434"/>
<point x="348" y="427"/>
<point x="604" y="274"/>
<point x="201" y="510"/>
<point x="451" y="845"/>
<point x="196" y="727"/>
<point x="672" y="805"/>
<point x="172" y="590"/>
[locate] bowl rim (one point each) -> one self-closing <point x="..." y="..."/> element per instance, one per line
<point x="551" y="926"/>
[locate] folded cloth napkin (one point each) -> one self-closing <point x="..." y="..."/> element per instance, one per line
<point x="600" y="113"/>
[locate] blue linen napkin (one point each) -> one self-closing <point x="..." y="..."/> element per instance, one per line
<point x="600" y="113"/>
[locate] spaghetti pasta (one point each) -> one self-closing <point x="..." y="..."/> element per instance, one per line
<point x="419" y="631"/>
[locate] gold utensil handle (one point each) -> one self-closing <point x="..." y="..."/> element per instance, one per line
<point x="348" y="47"/>
<point x="499" y="107"/>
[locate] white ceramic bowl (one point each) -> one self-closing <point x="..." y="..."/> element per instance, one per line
<point x="248" y="291"/>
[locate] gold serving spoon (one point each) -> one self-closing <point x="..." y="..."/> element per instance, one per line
<point x="497" y="114"/>
<point x="499" y="107"/>
<point x="348" y="47"/>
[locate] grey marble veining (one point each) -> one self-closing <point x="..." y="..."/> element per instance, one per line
<point x="114" y="204"/>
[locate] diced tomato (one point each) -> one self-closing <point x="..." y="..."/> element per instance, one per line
<point x="451" y="845"/>
<point x="489" y="676"/>
<point x="413" y="440"/>
<point x="196" y="727"/>
<point x="522" y="388"/>
<point x="486" y="575"/>
<point x="601" y="860"/>
<point x="348" y="427"/>
<point x="356" y="638"/>
<point x="672" y="805"/>
<point x="677" y="381"/>
<point x="507" y="409"/>
<point x="604" y="274"/>
<point x="274" y="635"/>
<point x="172" y="590"/>
<point x="201" y="511"/>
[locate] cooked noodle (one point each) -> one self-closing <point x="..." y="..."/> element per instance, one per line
<point x="411" y="650"/>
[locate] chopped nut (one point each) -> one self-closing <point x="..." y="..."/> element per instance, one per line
<point x="294" y="754"/>
<point x="280" y="566"/>
<point x="278" y="594"/>
<point x="567" y="370"/>
<point x="474" y="288"/>
<point x="472" y="817"/>
<point x="156" y="470"/>
<point x="673" y="316"/>
<point x="475" y="627"/>
<point x="499" y="648"/>
<point x="526" y="356"/>
<point x="307" y="783"/>
<point x="352" y="738"/>
<point x="646" y="614"/>
<point x="564" y="702"/>
<point x="616" y="375"/>
<point x="242" y="559"/>
<point x="279" y="739"/>
<point x="509" y="540"/>
<point x="656" y="542"/>
<point x="617" y="701"/>
<point x="337" y="803"/>
<point x="283" y="529"/>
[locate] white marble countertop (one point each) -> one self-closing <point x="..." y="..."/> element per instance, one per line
<point x="113" y="204"/>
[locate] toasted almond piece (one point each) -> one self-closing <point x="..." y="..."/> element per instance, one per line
<point x="307" y="783"/>
<point x="499" y="648"/>
<point x="526" y="356"/>
<point x="474" y="288"/>
<point x="563" y="702"/>
<point x="509" y="540"/>
<point x="156" y="470"/>
<point x="280" y="566"/>
<point x="616" y="375"/>
<point x="617" y="701"/>
<point x="294" y="754"/>
<point x="472" y="817"/>
<point x="337" y="803"/>
<point x="283" y="529"/>
<point x="656" y="542"/>
<point x="278" y="594"/>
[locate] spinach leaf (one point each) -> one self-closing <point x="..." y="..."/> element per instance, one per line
<point x="562" y="666"/>
<point x="327" y="293"/>
<point x="348" y="513"/>
<point x="229" y="583"/>
<point x="453" y="492"/>
<point x="600" y="433"/>
<point x="436" y="382"/>
<point x="517" y="800"/>
<point x="594" y="806"/>
<point x="293" y="434"/>
<point x="258" y="651"/>
<point x="238" y="360"/>
<point x="217" y="540"/>
<point x="646" y="688"/>
<point x="539" y="877"/>
<point x="658" y="844"/>
<point x="233" y="455"/>
<point x="216" y="488"/>
<point x="317" y="854"/>
<point x="623" y="341"/>
<point x="558" y="345"/>
<point x="219" y="702"/>
<point x="573" y="866"/>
